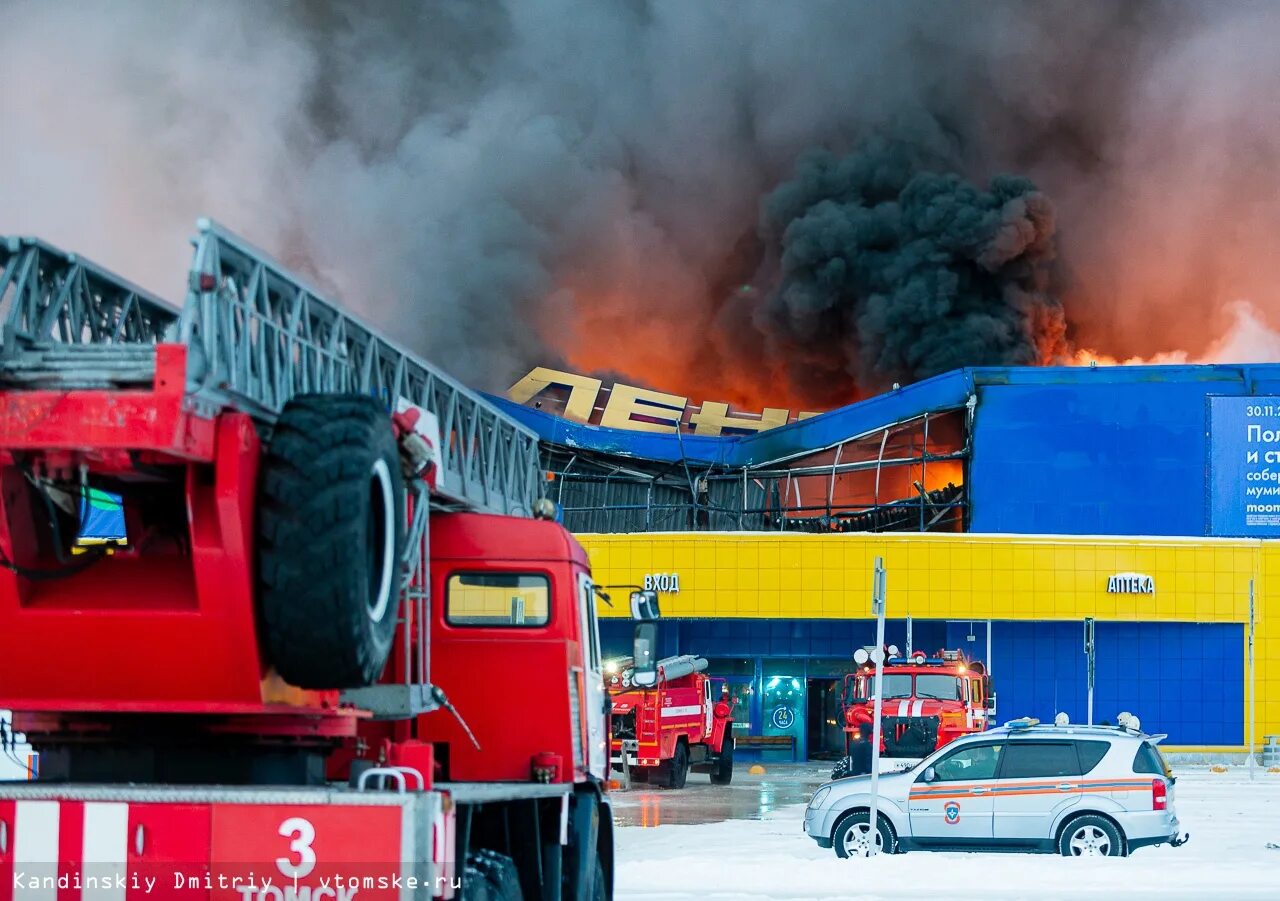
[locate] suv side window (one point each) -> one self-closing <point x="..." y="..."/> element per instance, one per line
<point x="1148" y="760"/>
<point x="1091" y="754"/>
<point x="1039" y="759"/>
<point x="968" y="764"/>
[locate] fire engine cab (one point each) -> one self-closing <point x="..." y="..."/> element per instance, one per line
<point x="680" y="721"/>
<point x="927" y="702"/>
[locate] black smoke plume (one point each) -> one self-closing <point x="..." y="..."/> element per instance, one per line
<point x="892" y="271"/>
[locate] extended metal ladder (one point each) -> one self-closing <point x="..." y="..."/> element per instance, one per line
<point x="256" y="335"/>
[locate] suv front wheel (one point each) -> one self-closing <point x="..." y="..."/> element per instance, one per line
<point x="852" y="837"/>
<point x="1091" y="836"/>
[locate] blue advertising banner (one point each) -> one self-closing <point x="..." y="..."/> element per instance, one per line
<point x="1244" y="466"/>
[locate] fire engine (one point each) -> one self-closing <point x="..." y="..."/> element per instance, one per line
<point x="260" y="682"/>
<point x="927" y="701"/>
<point x="663" y="726"/>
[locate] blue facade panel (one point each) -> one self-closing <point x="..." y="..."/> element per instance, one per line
<point x="1115" y="459"/>
<point x="1183" y="679"/>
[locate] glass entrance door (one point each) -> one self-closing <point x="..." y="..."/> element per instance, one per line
<point x="783" y="710"/>
<point x="825" y="737"/>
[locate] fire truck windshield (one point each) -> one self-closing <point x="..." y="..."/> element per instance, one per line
<point x="896" y="685"/>
<point x="937" y="687"/>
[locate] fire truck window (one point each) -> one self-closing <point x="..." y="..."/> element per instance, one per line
<point x="1028" y="760"/>
<point x="896" y="685"/>
<point x="1091" y="754"/>
<point x="498" y="599"/>
<point x="967" y="764"/>
<point x="856" y="689"/>
<point x="937" y="686"/>
<point x="592" y="638"/>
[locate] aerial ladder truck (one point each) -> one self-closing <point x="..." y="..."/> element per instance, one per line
<point x="260" y="686"/>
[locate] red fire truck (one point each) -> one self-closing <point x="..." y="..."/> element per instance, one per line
<point x="662" y="727"/>
<point x="260" y="683"/>
<point x="927" y="701"/>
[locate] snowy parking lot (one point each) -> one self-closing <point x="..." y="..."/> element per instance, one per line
<point x="744" y="841"/>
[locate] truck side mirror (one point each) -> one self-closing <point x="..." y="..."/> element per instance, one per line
<point x="991" y="703"/>
<point x="644" y="661"/>
<point x="644" y="605"/>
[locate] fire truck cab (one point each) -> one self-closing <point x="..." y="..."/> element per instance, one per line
<point x="928" y="700"/>
<point x="511" y="596"/>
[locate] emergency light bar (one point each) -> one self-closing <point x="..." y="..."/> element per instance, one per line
<point x="1025" y="722"/>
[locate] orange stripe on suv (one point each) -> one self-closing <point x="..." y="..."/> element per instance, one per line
<point x="995" y="788"/>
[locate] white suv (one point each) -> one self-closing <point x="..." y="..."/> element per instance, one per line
<point x="1077" y="790"/>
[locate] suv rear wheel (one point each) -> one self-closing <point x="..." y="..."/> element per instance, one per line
<point x="1091" y="836"/>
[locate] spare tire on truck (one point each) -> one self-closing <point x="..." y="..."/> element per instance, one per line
<point x="331" y="529"/>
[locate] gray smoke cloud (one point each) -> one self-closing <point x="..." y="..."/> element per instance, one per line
<point x="504" y="184"/>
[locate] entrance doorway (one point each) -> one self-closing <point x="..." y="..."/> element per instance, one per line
<point x="826" y="738"/>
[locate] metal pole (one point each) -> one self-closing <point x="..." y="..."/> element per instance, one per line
<point x="831" y="485"/>
<point x="1253" y="702"/>
<point x="1088" y="650"/>
<point x="987" y="661"/>
<point x="908" y="636"/>
<point x="877" y="607"/>
<point x="884" y="439"/>
<point x="924" y="470"/>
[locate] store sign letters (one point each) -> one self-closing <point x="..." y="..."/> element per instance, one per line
<point x="669" y="582"/>
<point x="1131" y="583"/>
<point x="641" y="409"/>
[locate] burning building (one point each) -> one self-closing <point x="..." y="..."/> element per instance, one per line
<point x="986" y="490"/>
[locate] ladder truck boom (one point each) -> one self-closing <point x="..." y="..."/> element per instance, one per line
<point x="264" y="660"/>
<point x="254" y="335"/>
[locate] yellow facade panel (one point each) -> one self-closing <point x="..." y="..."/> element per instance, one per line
<point x="684" y="557"/>
<point x="795" y="576"/>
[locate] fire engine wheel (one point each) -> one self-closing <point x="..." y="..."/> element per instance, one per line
<point x="331" y="529"/>
<point x="598" y="888"/>
<point x="677" y="768"/>
<point x="722" y="774"/>
<point x="1091" y="836"/>
<point x="490" y="876"/>
<point x="852" y="837"/>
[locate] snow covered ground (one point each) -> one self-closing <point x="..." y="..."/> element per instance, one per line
<point x="1230" y="820"/>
